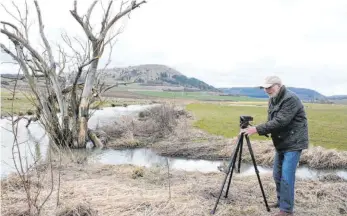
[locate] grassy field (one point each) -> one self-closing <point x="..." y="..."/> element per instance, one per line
<point x="22" y="102"/>
<point x="327" y="123"/>
<point x="204" y="96"/>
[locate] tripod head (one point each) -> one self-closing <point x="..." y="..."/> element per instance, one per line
<point x="244" y="121"/>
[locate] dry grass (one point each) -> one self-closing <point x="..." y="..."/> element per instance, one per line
<point x="112" y="190"/>
<point x="319" y="157"/>
<point x="151" y="125"/>
<point x="77" y="210"/>
<point x="169" y="131"/>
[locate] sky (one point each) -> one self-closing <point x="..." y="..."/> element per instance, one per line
<point x="225" y="43"/>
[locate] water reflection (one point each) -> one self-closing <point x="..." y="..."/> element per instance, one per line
<point x="31" y="144"/>
<point x="140" y="157"/>
<point x="148" y="158"/>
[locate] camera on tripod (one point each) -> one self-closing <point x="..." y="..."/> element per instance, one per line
<point x="244" y="121"/>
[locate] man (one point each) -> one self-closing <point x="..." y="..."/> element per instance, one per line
<point x="287" y="124"/>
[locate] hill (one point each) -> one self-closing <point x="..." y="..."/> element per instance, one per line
<point x="303" y="93"/>
<point x="153" y="74"/>
<point x="337" y="97"/>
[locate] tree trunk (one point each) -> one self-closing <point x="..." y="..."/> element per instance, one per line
<point x="86" y="94"/>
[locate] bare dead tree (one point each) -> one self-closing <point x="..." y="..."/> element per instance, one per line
<point x="64" y="110"/>
<point x="98" y="46"/>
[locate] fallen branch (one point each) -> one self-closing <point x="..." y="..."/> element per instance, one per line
<point x="93" y="136"/>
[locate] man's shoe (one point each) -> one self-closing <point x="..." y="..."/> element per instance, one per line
<point x="283" y="213"/>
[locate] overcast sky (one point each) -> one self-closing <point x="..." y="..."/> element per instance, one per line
<point x="225" y="43"/>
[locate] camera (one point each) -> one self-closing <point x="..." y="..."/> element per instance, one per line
<point x="244" y="121"/>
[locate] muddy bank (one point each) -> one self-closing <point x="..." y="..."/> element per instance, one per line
<point x="169" y="132"/>
<point x="131" y="190"/>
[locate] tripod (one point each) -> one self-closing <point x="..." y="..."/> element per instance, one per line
<point x="231" y="166"/>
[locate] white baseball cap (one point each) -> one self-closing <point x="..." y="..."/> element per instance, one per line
<point x="271" y="80"/>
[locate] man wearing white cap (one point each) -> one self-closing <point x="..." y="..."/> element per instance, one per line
<point x="287" y="124"/>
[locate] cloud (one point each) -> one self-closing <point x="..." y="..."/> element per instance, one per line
<point x="227" y="42"/>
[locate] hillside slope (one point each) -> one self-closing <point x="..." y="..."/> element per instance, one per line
<point x="152" y="74"/>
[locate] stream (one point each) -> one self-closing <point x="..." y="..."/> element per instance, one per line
<point x="34" y="144"/>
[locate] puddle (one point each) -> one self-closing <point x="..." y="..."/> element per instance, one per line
<point x="34" y="143"/>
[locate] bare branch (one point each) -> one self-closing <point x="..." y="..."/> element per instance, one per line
<point x="89" y="12"/>
<point x="26" y="21"/>
<point x="26" y="44"/>
<point x="68" y="42"/>
<point x="20" y="61"/>
<point x="8" y="63"/>
<point x="89" y="62"/>
<point x="9" y="13"/>
<point x="121" y="6"/>
<point x="39" y="66"/>
<point x="63" y="62"/>
<point x="133" y="6"/>
<point x="110" y="87"/>
<point x="80" y="21"/>
<point x="20" y="169"/>
<point x="111" y="38"/>
<point x="80" y="69"/>
<point x="43" y="36"/>
<point x="13" y="26"/>
<point x="110" y="53"/>
<point x="18" y="11"/>
<point x="105" y="20"/>
<point x="84" y="47"/>
<point x="75" y="5"/>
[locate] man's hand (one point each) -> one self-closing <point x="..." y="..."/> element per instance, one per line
<point x="250" y="130"/>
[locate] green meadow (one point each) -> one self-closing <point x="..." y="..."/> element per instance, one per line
<point x="21" y="103"/>
<point x="203" y="96"/>
<point x="327" y="122"/>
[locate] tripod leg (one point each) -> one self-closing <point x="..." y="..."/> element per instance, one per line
<point x="231" y="163"/>
<point x="239" y="146"/>
<point x="240" y="157"/>
<point x="257" y="172"/>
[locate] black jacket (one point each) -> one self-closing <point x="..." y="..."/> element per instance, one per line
<point x="287" y="122"/>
